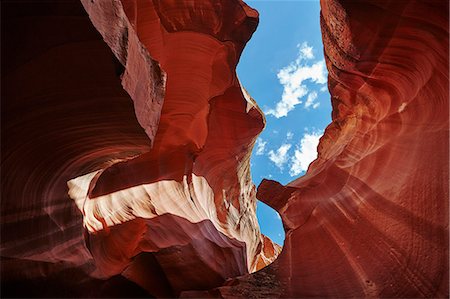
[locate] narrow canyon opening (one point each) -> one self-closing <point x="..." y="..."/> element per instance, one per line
<point x="283" y="68"/>
<point x="134" y="175"/>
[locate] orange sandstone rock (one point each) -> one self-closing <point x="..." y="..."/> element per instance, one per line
<point x="370" y="217"/>
<point x="160" y="173"/>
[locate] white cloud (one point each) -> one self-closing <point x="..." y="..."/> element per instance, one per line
<point x="306" y="51"/>
<point x="260" y="146"/>
<point x="293" y="79"/>
<point x="305" y="153"/>
<point x="289" y="135"/>
<point x="324" y="88"/>
<point x="310" y="101"/>
<point x="280" y="157"/>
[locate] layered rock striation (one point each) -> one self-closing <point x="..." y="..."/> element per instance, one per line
<point x="370" y="217"/>
<point x="126" y="139"/>
<point x="125" y="155"/>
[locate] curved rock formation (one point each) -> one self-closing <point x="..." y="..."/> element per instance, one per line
<point x="370" y="217"/>
<point x="160" y="173"/>
<point x="114" y="193"/>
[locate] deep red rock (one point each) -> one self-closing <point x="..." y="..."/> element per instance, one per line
<point x="160" y="173"/>
<point x="370" y="217"/>
<point x="198" y="168"/>
<point x="125" y="155"/>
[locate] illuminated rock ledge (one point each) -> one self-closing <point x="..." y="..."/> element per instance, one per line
<point x="126" y="139"/>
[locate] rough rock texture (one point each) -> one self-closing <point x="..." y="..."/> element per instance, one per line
<point x="64" y="113"/>
<point x="125" y="154"/>
<point x="114" y="193"/>
<point x="370" y="217"/>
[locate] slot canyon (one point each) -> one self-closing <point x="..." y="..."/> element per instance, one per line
<point x="126" y="139"/>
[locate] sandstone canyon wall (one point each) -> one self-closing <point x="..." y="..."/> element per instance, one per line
<point x="370" y="217"/>
<point x="125" y="154"/>
<point x="126" y="139"/>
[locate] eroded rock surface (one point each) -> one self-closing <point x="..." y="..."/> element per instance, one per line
<point x="126" y="153"/>
<point x="370" y="217"/>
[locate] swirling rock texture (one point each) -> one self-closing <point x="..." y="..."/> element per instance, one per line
<point x="126" y="139"/>
<point x="370" y="217"/>
<point x="125" y="164"/>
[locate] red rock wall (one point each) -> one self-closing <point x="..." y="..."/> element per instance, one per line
<point x="158" y="175"/>
<point x="370" y="217"/>
<point x="64" y="113"/>
<point x="198" y="168"/>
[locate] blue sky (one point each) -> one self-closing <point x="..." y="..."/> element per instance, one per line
<point x="283" y="69"/>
